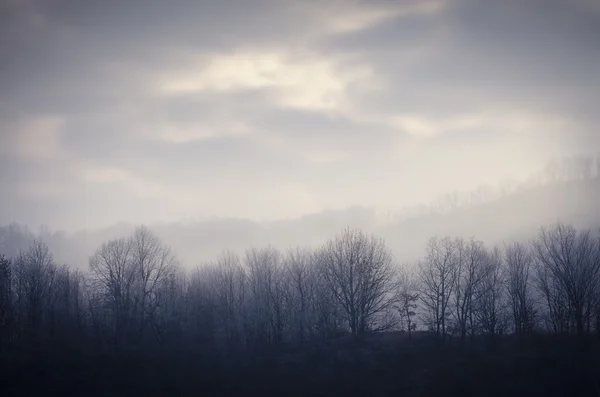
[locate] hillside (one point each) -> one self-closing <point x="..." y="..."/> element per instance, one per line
<point x="516" y="216"/>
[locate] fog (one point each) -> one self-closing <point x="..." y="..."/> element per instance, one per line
<point x="299" y="197"/>
<point x="561" y="191"/>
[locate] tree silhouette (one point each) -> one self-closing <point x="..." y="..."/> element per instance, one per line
<point x="358" y="271"/>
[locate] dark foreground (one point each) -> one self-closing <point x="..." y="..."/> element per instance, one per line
<point x="536" y="366"/>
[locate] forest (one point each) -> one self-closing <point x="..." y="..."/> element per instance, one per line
<point x="300" y="198"/>
<point x="521" y="318"/>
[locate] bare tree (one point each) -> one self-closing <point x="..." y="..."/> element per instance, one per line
<point x="557" y="311"/>
<point x="572" y="261"/>
<point x="228" y="283"/>
<point x="65" y="306"/>
<point x="200" y="310"/>
<point x="490" y="303"/>
<point x="113" y="276"/>
<point x="265" y="282"/>
<point x="152" y="263"/>
<point x="437" y="274"/>
<point x="596" y="303"/>
<point x="35" y="273"/>
<point x="358" y="271"/>
<point x="6" y="306"/>
<point x="301" y="293"/>
<point x="327" y="309"/>
<point x="469" y="262"/>
<point x="407" y="298"/>
<point x="168" y="321"/>
<point x="518" y="258"/>
<point x="128" y="276"/>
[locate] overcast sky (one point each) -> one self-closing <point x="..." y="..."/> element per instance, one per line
<point x="147" y="111"/>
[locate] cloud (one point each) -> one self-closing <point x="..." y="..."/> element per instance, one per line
<point x="124" y="179"/>
<point x="271" y="108"/>
<point x="304" y="82"/>
<point x="503" y="122"/>
<point x="346" y="17"/>
<point x="465" y="57"/>
<point x="199" y="131"/>
<point x="35" y="139"/>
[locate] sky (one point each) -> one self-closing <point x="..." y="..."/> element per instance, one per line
<point x="148" y="111"/>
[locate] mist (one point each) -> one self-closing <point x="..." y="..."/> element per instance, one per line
<point x="565" y="190"/>
<point x="288" y="196"/>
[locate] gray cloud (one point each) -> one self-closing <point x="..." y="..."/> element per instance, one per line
<point x="151" y="111"/>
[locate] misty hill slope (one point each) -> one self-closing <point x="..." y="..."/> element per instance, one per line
<point x="514" y="217"/>
<point x="517" y="216"/>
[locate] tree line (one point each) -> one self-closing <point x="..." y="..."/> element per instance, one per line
<point x="137" y="297"/>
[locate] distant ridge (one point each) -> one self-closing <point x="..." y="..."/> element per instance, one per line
<point x="515" y="216"/>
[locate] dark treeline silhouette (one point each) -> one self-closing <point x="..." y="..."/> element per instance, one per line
<point x="468" y="319"/>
